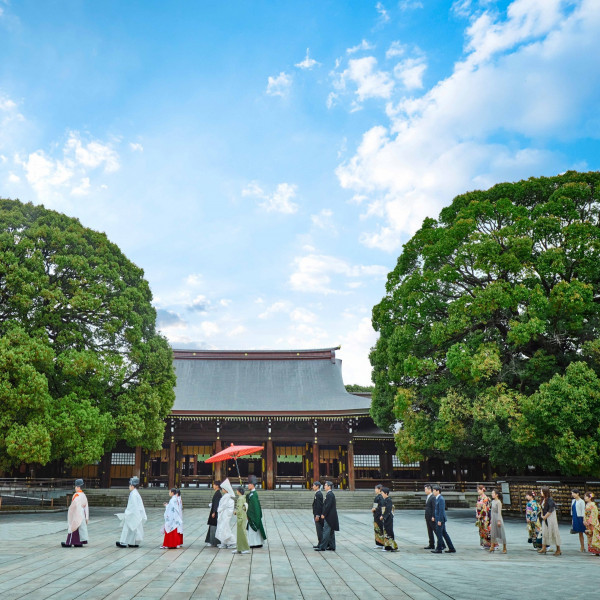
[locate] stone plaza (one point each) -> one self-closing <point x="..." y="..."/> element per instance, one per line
<point x="34" y="566"/>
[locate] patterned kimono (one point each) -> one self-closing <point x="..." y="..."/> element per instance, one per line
<point x="377" y="524"/>
<point x="482" y="514"/>
<point x="593" y="527"/>
<point x="534" y="525"/>
<point x="387" y="512"/>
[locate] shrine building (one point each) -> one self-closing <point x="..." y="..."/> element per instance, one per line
<point x="291" y="402"/>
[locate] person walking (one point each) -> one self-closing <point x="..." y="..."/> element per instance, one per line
<point x="387" y="518"/>
<point x="577" y="516"/>
<point x="256" y="531"/>
<point x="133" y="518"/>
<point x="550" y="532"/>
<point x="225" y="513"/>
<point x="497" y="533"/>
<point x="317" y="508"/>
<point x="440" y="523"/>
<point x="377" y="522"/>
<point x="172" y="522"/>
<point x="330" y="520"/>
<point x="430" y="517"/>
<point x="534" y="523"/>
<point x="482" y="517"/>
<point x="592" y="524"/>
<point x="211" y="539"/>
<point x="77" y="518"/>
<point x="242" y="546"/>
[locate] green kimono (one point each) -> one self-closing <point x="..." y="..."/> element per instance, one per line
<point x="242" y="521"/>
<point x="256" y="531"/>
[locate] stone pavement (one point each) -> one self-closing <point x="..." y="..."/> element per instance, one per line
<point x="34" y="566"/>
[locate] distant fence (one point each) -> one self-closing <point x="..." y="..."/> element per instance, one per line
<point x="42" y="492"/>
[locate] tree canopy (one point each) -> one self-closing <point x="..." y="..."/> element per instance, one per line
<point x="81" y="363"/>
<point x="489" y="330"/>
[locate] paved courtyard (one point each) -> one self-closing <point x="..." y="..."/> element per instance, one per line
<point x="33" y="565"/>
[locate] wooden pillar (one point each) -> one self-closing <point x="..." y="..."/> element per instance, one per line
<point x="178" y="466"/>
<point x="218" y="471"/>
<point x="172" y="452"/>
<point x="270" y="466"/>
<point x="351" y="481"/>
<point x="316" y="462"/>
<point x="105" y="470"/>
<point x="137" y="469"/>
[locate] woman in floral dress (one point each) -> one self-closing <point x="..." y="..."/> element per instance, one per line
<point x="532" y="516"/>
<point x="482" y="515"/>
<point x="592" y="524"/>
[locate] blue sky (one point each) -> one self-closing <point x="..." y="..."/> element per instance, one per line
<point x="264" y="162"/>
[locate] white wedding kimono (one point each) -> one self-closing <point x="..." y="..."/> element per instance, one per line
<point x="133" y="519"/>
<point x="224" y="532"/>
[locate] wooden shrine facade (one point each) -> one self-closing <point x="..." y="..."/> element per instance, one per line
<point x="293" y="403"/>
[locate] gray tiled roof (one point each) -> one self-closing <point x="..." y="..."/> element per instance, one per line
<point x="262" y="386"/>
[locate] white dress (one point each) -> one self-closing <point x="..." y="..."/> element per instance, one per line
<point x="224" y="532"/>
<point x="133" y="519"/>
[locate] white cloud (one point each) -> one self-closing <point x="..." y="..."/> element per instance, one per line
<point x="384" y="16"/>
<point x="209" y="328"/>
<point x="308" y="63"/>
<point x="314" y="273"/>
<point x="410" y="4"/>
<point x="225" y="302"/>
<point x="280" y="85"/>
<point x="395" y="49"/>
<point x="279" y="201"/>
<point x="303" y="315"/>
<point x="529" y="76"/>
<point x="410" y="72"/>
<point x="83" y="188"/>
<point x="12" y="178"/>
<point x="323" y="220"/>
<point x="364" y="45"/>
<point x="237" y="331"/>
<point x="93" y="154"/>
<point x="356" y="344"/>
<point x="136" y="147"/>
<point x="369" y="82"/>
<point x="276" y="307"/>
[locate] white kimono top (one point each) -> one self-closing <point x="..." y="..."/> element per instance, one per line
<point x="78" y="514"/>
<point x="173" y="518"/>
<point x="133" y="519"/>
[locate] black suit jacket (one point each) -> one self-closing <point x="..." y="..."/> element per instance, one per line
<point x="214" y="507"/>
<point x="430" y="507"/>
<point x="330" y="511"/>
<point x="318" y="503"/>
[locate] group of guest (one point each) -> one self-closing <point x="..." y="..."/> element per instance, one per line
<point x="325" y="516"/>
<point x="541" y="519"/>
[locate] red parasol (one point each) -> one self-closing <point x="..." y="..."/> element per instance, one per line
<point x="234" y="452"/>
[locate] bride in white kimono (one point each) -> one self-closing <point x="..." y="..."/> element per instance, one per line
<point x="133" y="518"/>
<point x="225" y="511"/>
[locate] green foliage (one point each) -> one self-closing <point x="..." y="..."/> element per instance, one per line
<point x="354" y="387"/>
<point x="483" y="315"/>
<point x="81" y="364"/>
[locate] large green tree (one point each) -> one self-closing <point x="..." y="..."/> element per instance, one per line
<point x="81" y="363"/>
<point x="493" y="311"/>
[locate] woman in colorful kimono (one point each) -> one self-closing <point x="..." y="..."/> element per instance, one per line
<point x="482" y="517"/>
<point x="592" y="523"/>
<point x="534" y="525"/>
<point x="497" y="532"/>
<point x="172" y="522"/>
<point x="550" y="532"/>
<point x="387" y="519"/>
<point x="242" y="546"/>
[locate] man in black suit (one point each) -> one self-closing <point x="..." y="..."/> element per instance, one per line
<point x="318" y="511"/>
<point x="440" y="523"/>
<point x="330" y="520"/>
<point x="430" y="516"/>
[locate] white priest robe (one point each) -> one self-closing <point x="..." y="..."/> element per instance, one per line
<point x="78" y="516"/>
<point x="133" y="519"/>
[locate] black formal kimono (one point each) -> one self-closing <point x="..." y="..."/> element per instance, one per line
<point x="212" y="521"/>
<point x="387" y="512"/>
<point x="317" y="507"/>
<point x="331" y="524"/>
<point x="377" y="524"/>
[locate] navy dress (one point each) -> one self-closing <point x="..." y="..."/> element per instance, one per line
<point x="578" y="526"/>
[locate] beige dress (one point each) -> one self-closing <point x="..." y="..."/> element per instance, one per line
<point x="550" y="533"/>
<point x="497" y="533"/>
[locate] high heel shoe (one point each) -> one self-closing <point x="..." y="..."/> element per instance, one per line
<point x="558" y="553"/>
<point x="542" y="552"/>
